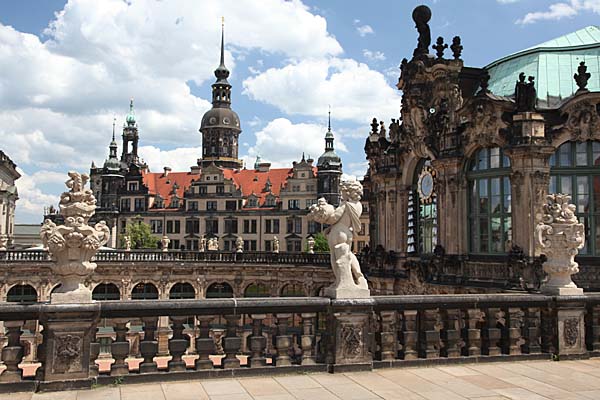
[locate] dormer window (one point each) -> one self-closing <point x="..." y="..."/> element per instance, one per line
<point x="132" y="186"/>
<point x="252" y="201"/>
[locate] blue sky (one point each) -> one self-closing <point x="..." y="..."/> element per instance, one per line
<point x="69" y="69"/>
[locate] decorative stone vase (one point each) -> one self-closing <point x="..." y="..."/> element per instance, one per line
<point x="164" y="242"/>
<point x="559" y="236"/>
<point x="73" y="244"/>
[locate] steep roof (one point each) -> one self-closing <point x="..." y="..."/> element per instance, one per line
<point x="162" y="185"/>
<point x="553" y="64"/>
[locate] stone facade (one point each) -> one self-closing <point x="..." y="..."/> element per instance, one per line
<point x="8" y="199"/>
<point x="463" y="174"/>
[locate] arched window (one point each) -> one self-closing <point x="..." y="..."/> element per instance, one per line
<point x="219" y="290"/>
<point x="182" y="290"/>
<point x="257" y="290"/>
<point x="574" y="171"/>
<point x="421" y="232"/>
<point x="489" y="201"/>
<point x="106" y="291"/>
<point x="144" y="291"/>
<point x="22" y="294"/>
<point x="293" y="290"/>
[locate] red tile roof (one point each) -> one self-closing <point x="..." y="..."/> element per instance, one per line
<point x="162" y="185"/>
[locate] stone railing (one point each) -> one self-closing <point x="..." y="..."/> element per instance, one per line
<point x="251" y="257"/>
<point x="231" y="337"/>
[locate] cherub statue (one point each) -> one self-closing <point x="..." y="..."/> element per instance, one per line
<point x="344" y="221"/>
<point x="239" y="245"/>
<point x="202" y="244"/>
<point x="127" y="241"/>
<point x="275" y="244"/>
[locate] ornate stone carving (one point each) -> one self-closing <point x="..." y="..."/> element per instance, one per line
<point x="275" y="244"/>
<point x="67" y="353"/>
<point x="559" y="236"/>
<point x="202" y="247"/>
<point x="525" y="94"/>
<point x="421" y="15"/>
<point x="351" y="340"/>
<point x="582" y="76"/>
<point x="239" y="245"/>
<point x="456" y="47"/>
<point x="213" y="244"/>
<point x="485" y="124"/>
<point x="164" y="242"/>
<point x="73" y="244"/>
<point x="3" y="242"/>
<point x="583" y="121"/>
<point x="344" y="221"/>
<point x="439" y="47"/>
<point x="571" y="331"/>
<point x="311" y="245"/>
<point x="127" y="241"/>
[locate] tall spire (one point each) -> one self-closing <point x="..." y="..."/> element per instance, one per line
<point x="222" y="73"/>
<point x="329" y="120"/>
<point x="114" y="122"/>
<point x="130" y="119"/>
<point x="329" y="134"/>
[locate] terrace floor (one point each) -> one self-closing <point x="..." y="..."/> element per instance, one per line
<point x="522" y="380"/>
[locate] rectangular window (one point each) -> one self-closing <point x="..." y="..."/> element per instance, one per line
<point x="212" y="226"/>
<point x="272" y="226"/>
<point x="156" y="225"/>
<point x="211" y="206"/>
<point x="294" y="204"/>
<point x="173" y="226"/>
<point x="192" y="226"/>
<point x="125" y="204"/>
<point x="192" y="244"/>
<point x="249" y="245"/>
<point x="139" y="204"/>
<point x="132" y="186"/>
<point x="268" y="245"/>
<point x="231" y="226"/>
<point x="202" y="189"/>
<point x="220" y="189"/>
<point x="230" y="205"/>
<point x="294" y="245"/>
<point x="310" y="202"/>
<point x="192" y="205"/>
<point x="250" y="226"/>
<point x="313" y="227"/>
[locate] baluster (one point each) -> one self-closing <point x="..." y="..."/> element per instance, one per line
<point x="491" y="333"/>
<point x="532" y="331"/>
<point x="149" y="346"/>
<point x="595" y="330"/>
<point x="177" y="344"/>
<point x="12" y="353"/>
<point x="387" y="339"/>
<point x="205" y="345"/>
<point x="430" y="334"/>
<point x="258" y="342"/>
<point x="232" y="342"/>
<point x="515" y="322"/>
<point x="473" y="333"/>
<point x="94" y="352"/>
<point x="549" y="330"/>
<point x="410" y="335"/>
<point x="283" y="341"/>
<point x="308" y="338"/>
<point x="120" y="347"/>
<point x="451" y="333"/>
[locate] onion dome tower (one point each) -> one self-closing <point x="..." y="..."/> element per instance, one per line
<point x="329" y="170"/>
<point x="130" y="139"/>
<point x="220" y="125"/>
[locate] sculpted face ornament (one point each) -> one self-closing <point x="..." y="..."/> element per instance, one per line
<point x="344" y="221"/>
<point x="73" y="244"/>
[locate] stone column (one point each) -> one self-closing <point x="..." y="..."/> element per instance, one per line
<point x="67" y="338"/>
<point x="349" y="321"/>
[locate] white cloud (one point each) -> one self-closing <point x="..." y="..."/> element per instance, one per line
<point x="32" y="198"/>
<point x="354" y="91"/>
<point x="562" y="10"/>
<point x="507" y="1"/>
<point x="179" y="159"/>
<point x="373" y="55"/>
<point x="363" y="29"/>
<point x="280" y="142"/>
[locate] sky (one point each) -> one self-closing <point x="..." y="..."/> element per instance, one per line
<point x="69" y="68"/>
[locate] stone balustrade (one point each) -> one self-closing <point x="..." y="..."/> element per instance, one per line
<point x="249" y="257"/>
<point x="230" y="337"/>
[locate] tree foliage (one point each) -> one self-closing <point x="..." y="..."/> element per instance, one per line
<point x="140" y="235"/>
<point x="321" y="244"/>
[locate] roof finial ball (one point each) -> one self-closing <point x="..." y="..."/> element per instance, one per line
<point x="421" y="15"/>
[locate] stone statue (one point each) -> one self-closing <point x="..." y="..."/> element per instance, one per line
<point x="3" y="242"/>
<point x="275" y="244"/>
<point x="525" y="94"/>
<point x="164" y="242"/>
<point x="73" y="244"/>
<point x="213" y="244"/>
<point x="239" y="245"/>
<point x="421" y="15"/>
<point x="127" y="241"/>
<point x="311" y="245"/>
<point x="202" y="244"/>
<point x="559" y="235"/>
<point x="582" y="76"/>
<point x="343" y="221"/>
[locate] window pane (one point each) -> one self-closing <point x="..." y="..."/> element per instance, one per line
<point x="582" y="194"/>
<point x="497" y="236"/>
<point x="483" y="196"/>
<point x="507" y="196"/>
<point x="565" y="185"/>
<point x="596" y="153"/>
<point x="581" y="158"/>
<point x="553" y="188"/>
<point x="507" y="231"/>
<point x="596" y="193"/>
<point x="565" y="154"/>
<point x="474" y="235"/>
<point x="495" y="157"/>
<point x="505" y="161"/>
<point x="553" y="160"/>
<point x="496" y="197"/>
<point x="585" y="221"/>
<point x="483" y="235"/>
<point x="482" y="157"/>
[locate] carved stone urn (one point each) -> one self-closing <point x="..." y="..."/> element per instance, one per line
<point x="560" y="236"/>
<point x="73" y="244"/>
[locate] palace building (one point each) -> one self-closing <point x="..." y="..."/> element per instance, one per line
<point x="457" y="182"/>
<point x="8" y="199"/>
<point x="219" y="197"/>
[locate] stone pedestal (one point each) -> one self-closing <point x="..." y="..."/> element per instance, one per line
<point x="345" y="293"/>
<point x="349" y="322"/>
<point x="67" y="338"/>
<point x="571" y="330"/>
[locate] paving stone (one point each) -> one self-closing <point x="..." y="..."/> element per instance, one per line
<point x="262" y="386"/>
<point x="100" y="393"/>
<point x="223" y="386"/>
<point x="235" y="396"/>
<point x="351" y="391"/>
<point x="184" y="391"/>
<point x="297" y="382"/>
<point x="68" y="395"/>
<point x="520" y="394"/>
<point x="314" y="394"/>
<point x="16" y="396"/>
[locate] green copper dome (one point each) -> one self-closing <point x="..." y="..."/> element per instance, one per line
<point x="553" y="64"/>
